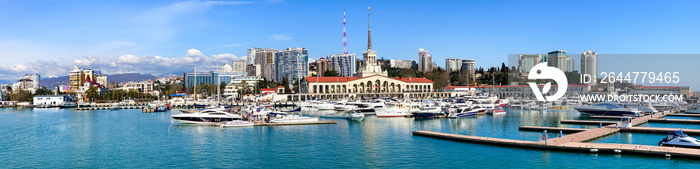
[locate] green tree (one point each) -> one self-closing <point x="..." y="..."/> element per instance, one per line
<point x="331" y="73"/>
<point x="91" y="94"/>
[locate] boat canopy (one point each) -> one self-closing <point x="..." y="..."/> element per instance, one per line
<point x="677" y="133"/>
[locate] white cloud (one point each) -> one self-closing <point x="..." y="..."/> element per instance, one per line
<point x="123" y="64"/>
<point x="281" y="37"/>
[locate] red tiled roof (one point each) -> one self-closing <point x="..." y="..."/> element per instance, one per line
<point x="414" y="80"/>
<point x="280" y="86"/>
<point x="268" y="89"/>
<point x="330" y="79"/>
<point x="347" y="79"/>
<point x="656" y="87"/>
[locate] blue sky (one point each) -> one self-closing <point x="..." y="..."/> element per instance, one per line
<point x="50" y="37"/>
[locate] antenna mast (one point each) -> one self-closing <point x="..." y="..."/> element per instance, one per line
<point x="345" y="36"/>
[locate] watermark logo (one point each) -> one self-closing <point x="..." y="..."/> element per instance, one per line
<point x="542" y="71"/>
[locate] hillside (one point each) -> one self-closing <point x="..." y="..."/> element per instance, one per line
<point x="127" y="77"/>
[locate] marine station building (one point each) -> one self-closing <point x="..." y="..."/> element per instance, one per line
<point x="369" y="81"/>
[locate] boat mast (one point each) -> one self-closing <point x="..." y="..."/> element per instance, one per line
<point x="195" y="84"/>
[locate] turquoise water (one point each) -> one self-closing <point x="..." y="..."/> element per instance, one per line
<point x="62" y="138"/>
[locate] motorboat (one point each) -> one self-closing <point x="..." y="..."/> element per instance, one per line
<point x="213" y="116"/>
<point x="161" y="108"/>
<point x="287" y="118"/>
<point x="679" y="139"/>
<point x="44" y="106"/>
<point x="428" y="110"/>
<point x="344" y="107"/>
<point x="465" y="111"/>
<point x="693" y="110"/>
<point x="608" y="109"/>
<point x="496" y="111"/>
<point x="114" y="107"/>
<point x="67" y="105"/>
<point x="356" y="115"/>
<point x="237" y="123"/>
<point x="391" y="110"/>
<point x="322" y="106"/>
<point x="642" y="106"/>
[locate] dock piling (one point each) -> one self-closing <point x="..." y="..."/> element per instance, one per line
<point x="601" y="124"/>
<point x="561" y="133"/>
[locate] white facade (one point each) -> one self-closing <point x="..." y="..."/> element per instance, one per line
<point x="403" y="64"/>
<point x="469" y="65"/>
<point x="453" y="64"/>
<point x="589" y="65"/>
<point x="425" y="61"/>
<point x="238" y="66"/>
<point x="51" y="99"/>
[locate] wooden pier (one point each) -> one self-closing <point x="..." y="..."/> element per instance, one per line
<point x="576" y="141"/>
<point x="685" y="115"/>
<point x="570" y="146"/>
<point x="551" y="129"/>
<point x="605" y="117"/>
<point x="589" y="122"/>
<point x="675" y="121"/>
<point x="296" y="123"/>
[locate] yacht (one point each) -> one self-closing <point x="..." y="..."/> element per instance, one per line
<point x="608" y="109"/>
<point x="344" y="107"/>
<point x="208" y="116"/>
<point x="644" y="107"/>
<point x="286" y="118"/>
<point x="465" y="111"/>
<point x="68" y="105"/>
<point x="428" y="110"/>
<point x="356" y="115"/>
<point x="391" y="110"/>
<point x="114" y="107"/>
<point x="679" y="139"/>
<point x="693" y="110"/>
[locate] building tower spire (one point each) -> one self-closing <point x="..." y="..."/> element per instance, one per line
<point x="345" y="36"/>
<point x="369" y="31"/>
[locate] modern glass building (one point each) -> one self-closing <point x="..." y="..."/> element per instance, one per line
<point x="344" y="64"/>
<point x="211" y="77"/>
<point x="292" y="63"/>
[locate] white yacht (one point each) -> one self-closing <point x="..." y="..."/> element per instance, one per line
<point x="344" y="107"/>
<point x="286" y="118"/>
<point x="428" y="110"/>
<point x="356" y="115"/>
<point x="465" y="111"/>
<point x="609" y="109"/>
<point x="209" y="116"/>
<point x="679" y="139"/>
<point x="391" y="110"/>
<point x="693" y="110"/>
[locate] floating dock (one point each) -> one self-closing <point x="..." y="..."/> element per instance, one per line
<point x="606" y="117"/>
<point x="551" y="129"/>
<point x="675" y="121"/>
<point x="296" y="123"/>
<point x="570" y="146"/>
<point x="576" y="141"/>
<point x="587" y="122"/>
<point x="659" y="130"/>
<point x="685" y="115"/>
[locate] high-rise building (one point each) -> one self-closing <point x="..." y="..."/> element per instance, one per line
<point x="78" y="76"/>
<point x="469" y="65"/>
<point x="266" y="59"/>
<point x="370" y="66"/>
<point x="251" y="56"/>
<point x="527" y="61"/>
<point x="453" y="64"/>
<point x="560" y="60"/>
<point x="238" y="66"/>
<point x="292" y="63"/>
<point x="402" y="64"/>
<point x="323" y="65"/>
<point x="425" y="61"/>
<point x="344" y="64"/>
<point x="254" y="70"/>
<point x="589" y="65"/>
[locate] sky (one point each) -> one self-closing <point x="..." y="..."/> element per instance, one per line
<point x="158" y="37"/>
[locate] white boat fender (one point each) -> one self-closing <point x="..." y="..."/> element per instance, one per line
<point x="617" y="151"/>
<point x="594" y="150"/>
